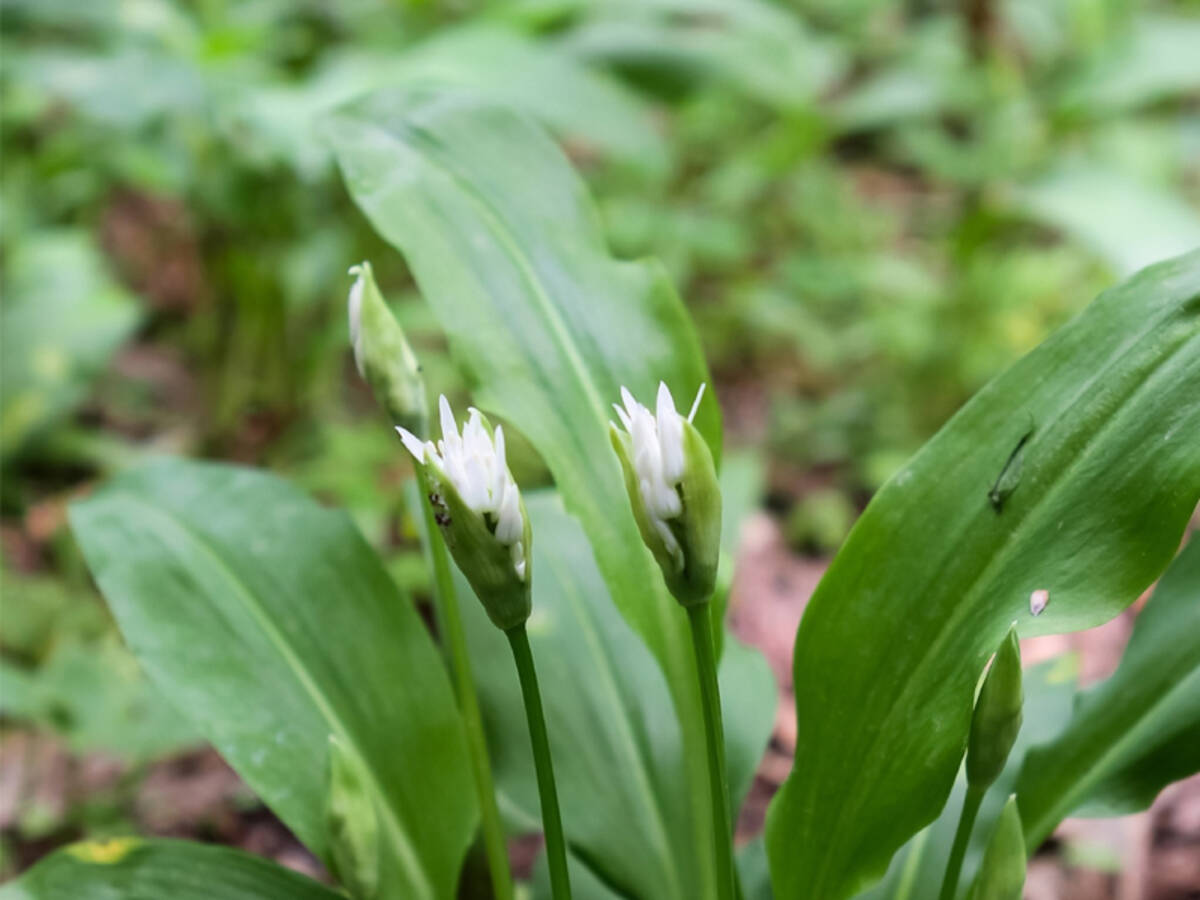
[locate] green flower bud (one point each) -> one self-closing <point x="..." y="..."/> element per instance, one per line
<point x="672" y="485"/>
<point x="479" y="509"/>
<point x="997" y="717"/>
<point x="384" y="358"/>
<point x="1002" y="872"/>
<point x="352" y="822"/>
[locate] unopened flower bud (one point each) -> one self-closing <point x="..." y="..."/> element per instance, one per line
<point x="479" y="509"/>
<point x="997" y="717"/>
<point x="1002" y="871"/>
<point x="672" y="486"/>
<point x="381" y="352"/>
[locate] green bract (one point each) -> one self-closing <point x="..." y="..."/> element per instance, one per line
<point x="1002" y="872"/>
<point x="382" y="354"/>
<point x="997" y="717"/>
<point x="479" y="510"/>
<point x="484" y="560"/>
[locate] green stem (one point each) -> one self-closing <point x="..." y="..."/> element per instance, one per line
<point x="966" y="823"/>
<point x="700" y="618"/>
<point x="450" y="622"/>
<point x="556" y="845"/>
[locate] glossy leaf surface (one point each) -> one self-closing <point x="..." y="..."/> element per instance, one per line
<point x="272" y="625"/>
<point x="889" y="650"/>
<point x="1137" y="731"/>
<point x="507" y="248"/>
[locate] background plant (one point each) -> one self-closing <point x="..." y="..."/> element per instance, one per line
<point x="871" y="225"/>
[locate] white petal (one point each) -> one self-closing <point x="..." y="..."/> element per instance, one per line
<point x="354" y="307"/>
<point x="450" y="437"/>
<point x="509" y="525"/>
<point x="413" y="444"/>
<point x="628" y="399"/>
<point x="518" y="558"/>
<point x="670" y="435"/>
<point x="500" y="475"/>
<point x="668" y="538"/>
<point x="474" y="487"/>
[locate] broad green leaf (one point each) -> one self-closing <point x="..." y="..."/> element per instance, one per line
<point x="917" y="869"/>
<point x="890" y="647"/>
<point x="63" y="316"/>
<point x="1127" y="223"/>
<point x="272" y="625"/>
<point x="506" y="246"/>
<point x="136" y="869"/>
<point x="1137" y="731"/>
<point x="617" y="747"/>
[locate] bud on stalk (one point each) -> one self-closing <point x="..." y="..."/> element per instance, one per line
<point x="997" y="717"/>
<point x="480" y="511"/>
<point x="672" y="485"/>
<point x="381" y="352"/>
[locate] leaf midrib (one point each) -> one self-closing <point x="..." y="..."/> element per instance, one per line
<point x="279" y="642"/>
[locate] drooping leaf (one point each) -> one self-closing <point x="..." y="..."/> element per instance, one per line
<point x="890" y="647"/>
<point x="136" y="869"/>
<point x="1137" y="731"/>
<point x="271" y="624"/>
<point x="617" y="747"/>
<point x="506" y="247"/>
<point x="63" y="316"/>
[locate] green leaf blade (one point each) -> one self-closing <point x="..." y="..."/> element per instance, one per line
<point x="271" y="624"/>
<point x="889" y="650"/>
<point x="1137" y="731"/>
<point x="507" y="248"/>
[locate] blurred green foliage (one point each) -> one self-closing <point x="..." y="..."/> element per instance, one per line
<point x="870" y="207"/>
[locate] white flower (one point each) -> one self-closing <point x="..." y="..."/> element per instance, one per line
<point x="475" y="465"/>
<point x="658" y="458"/>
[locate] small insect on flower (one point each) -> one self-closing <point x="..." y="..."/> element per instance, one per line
<point x="672" y="486"/>
<point x="479" y="509"/>
<point x="1038" y="601"/>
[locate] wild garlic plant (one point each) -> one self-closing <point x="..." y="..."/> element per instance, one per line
<point x="406" y="756"/>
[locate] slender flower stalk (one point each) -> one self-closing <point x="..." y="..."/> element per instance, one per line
<point x="385" y="360"/>
<point x="995" y="724"/>
<point x="477" y="505"/>
<point x="556" y="843"/>
<point x="672" y="485"/>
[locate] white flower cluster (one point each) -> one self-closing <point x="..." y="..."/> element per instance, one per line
<point x="476" y="466"/>
<point x="658" y="458"/>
